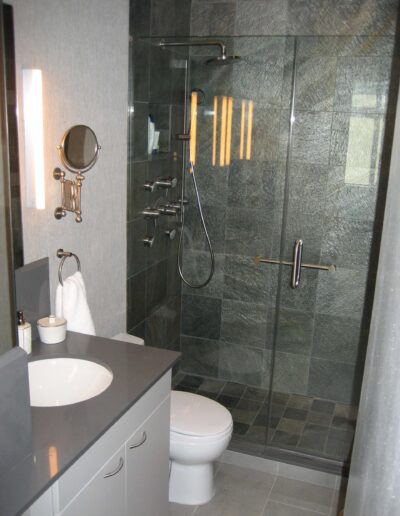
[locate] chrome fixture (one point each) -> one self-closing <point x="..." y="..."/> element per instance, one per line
<point x="148" y="241"/>
<point x="170" y="233"/>
<point x="64" y="255"/>
<point x="167" y="182"/>
<point x="223" y="58"/>
<point x="296" y="264"/>
<point x="79" y="150"/>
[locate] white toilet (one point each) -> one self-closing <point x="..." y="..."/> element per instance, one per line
<point x="200" y="432"/>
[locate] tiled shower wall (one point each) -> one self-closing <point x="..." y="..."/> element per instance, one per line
<point x="157" y="82"/>
<point x="335" y="204"/>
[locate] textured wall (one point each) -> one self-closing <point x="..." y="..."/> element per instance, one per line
<point x="157" y="87"/>
<point x="338" y="168"/>
<point x="375" y="468"/>
<point x="84" y="59"/>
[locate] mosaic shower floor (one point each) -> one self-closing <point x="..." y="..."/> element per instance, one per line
<point x="301" y="423"/>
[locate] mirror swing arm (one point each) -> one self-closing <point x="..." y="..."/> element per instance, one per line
<point x="79" y="151"/>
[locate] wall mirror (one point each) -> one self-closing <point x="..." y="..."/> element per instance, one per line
<point x="79" y="149"/>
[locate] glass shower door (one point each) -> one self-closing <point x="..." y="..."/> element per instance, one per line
<point x="334" y="203"/>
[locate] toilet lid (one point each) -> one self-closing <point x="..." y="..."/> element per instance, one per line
<point x="192" y="414"/>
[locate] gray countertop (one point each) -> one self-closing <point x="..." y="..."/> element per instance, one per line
<point x="72" y="429"/>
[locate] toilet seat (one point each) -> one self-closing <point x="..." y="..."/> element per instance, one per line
<point x="198" y="416"/>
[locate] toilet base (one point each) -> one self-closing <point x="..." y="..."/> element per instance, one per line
<point x="191" y="484"/>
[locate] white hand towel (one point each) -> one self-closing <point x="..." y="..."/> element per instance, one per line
<point x="72" y="305"/>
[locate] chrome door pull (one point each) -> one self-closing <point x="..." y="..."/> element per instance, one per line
<point x="142" y="441"/>
<point x="296" y="270"/>
<point x="117" y="469"/>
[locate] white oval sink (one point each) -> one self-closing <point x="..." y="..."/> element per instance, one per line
<point x="63" y="381"/>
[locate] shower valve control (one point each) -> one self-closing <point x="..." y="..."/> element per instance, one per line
<point x="151" y="213"/>
<point x="167" y="182"/>
<point x="168" y="209"/>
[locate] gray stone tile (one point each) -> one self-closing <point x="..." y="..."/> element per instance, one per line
<point x="252" y="185"/>
<point x="342" y="292"/>
<point x="241" y="364"/>
<point x="200" y="356"/>
<point x="244" y="323"/>
<point x="167" y="78"/>
<point x="291" y="426"/>
<point x="335" y="381"/>
<point x="323" y="406"/>
<point x="362" y="84"/>
<point x="194" y="236"/>
<point x="240" y="428"/>
<point x="212" y="184"/>
<point x="285" y="438"/>
<point x="137" y="198"/>
<point x="338" y="337"/>
<point x="229" y="402"/>
<point x="280" y="509"/>
<point x="192" y="381"/>
<point x="291" y="373"/>
<point x="295" y="413"/>
<point x="315" y="83"/>
<point x="138" y="143"/>
<point x="313" y="438"/>
<point x="311" y="137"/>
<point x="338" y="449"/>
<point x="347" y="411"/>
<point x="318" y="418"/>
<point x="295" y="331"/>
<point x="248" y="231"/>
<point x="214" y="386"/>
<point x="253" y="18"/>
<point x="302" y="494"/>
<point x="343" y="423"/>
<point x="257" y="434"/>
<point x="233" y="389"/>
<point x="141" y="70"/>
<point x="244" y="417"/>
<point x="210" y="19"/>
<point x="347" y="242"/>
<point x="163" y="325"/>
<point x="196" y="269"/>
<point x="231" y="499"/>
<point x="139" y="18"/>
<point x="136" y="295"/>
<point x="136" y="251"/>
<point x="300" y="402"/>
<point x="255" y="394"/>
<point x="321" y="17"/>
<point x="156" y="286"/>
<point x="304" y="296"/>
<point x="170" y="17"/>
<point x="344" y="46"/>
<point x="245" y="281"/>
<point x="209" y="324"/>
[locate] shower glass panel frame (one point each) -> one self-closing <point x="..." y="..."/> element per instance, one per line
<point x="302" y="153"/>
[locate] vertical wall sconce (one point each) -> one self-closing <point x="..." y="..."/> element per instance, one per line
<point x="33" y="138"/>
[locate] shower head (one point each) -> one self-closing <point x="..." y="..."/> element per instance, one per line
<point x="223" y="59"/>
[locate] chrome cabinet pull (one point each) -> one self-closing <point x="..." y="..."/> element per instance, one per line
<point x="117" y="469"/>
<point x="296" y="270"/>
<point x="142" y="441"/>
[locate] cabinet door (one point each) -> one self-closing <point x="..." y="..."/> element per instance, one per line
<point x="147" y="466"/>
<point x="104" y="495"/>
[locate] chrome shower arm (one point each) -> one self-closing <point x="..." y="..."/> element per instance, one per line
<point x="207" y="43"/>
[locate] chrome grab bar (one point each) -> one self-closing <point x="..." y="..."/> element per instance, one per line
<point x="297" y="256"/>
<point x="296" y="270"/>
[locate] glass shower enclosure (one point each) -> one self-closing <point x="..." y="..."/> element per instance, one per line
<point x="291" y="156"/>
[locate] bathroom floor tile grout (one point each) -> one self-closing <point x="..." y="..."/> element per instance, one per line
<point x="268" y="495"/>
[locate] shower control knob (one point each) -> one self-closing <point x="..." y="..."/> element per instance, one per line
<point x="170" y="233"/>
<point x="148" y="241"/>
<point x="167" y="182"/>
<point x="149" y="186"/>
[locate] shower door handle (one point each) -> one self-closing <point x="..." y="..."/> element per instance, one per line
<point x="296" y="270"/>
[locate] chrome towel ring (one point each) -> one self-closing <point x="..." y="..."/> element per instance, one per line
<point x="64" y="255"/>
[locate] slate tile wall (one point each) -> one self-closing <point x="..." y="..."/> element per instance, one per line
<point x="345" y="77"/>
<point x="157" y="86"/>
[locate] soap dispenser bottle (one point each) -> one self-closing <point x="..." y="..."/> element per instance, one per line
<point x="24" y="332"/>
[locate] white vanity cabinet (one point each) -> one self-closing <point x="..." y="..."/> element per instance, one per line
<point x="125" y="472"/>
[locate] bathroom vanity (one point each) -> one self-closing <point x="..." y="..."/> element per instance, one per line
<point x="107" y="455"/>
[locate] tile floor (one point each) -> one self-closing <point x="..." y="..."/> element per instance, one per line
<point x="313" y="425"/>
<point x="245" y="492"/>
